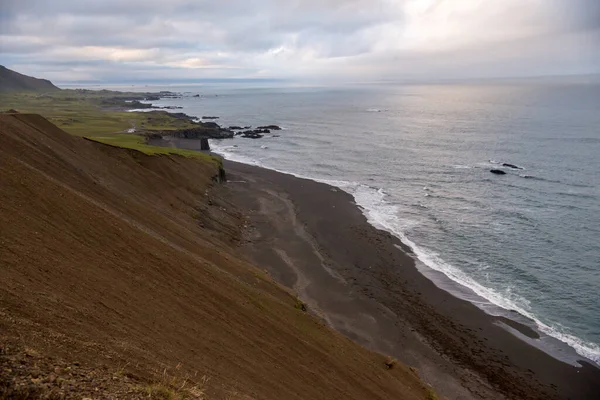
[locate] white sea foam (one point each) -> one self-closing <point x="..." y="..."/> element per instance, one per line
<point x="383" y="215"/>
<point x="230" y="153"/>
<point x="142" y="110"/>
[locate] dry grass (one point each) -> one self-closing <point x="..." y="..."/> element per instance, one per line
<point x="175" y="386"/>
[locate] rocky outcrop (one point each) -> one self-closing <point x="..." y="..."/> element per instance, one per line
<point x="206" y="130"/>
<point x="154" y="136"/>
<point x="251" y="135"/>
<point x="511" y="166"/>
<point x="497" y="172"/>
<point x="180" y="116"/>
<point x="201" y="132"/>
<point x="270" y="127"/>
<point x="204" y="144"/>
<point x="209" y="117"/>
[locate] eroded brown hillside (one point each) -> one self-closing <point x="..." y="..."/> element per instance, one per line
<point x="121" y="266"/>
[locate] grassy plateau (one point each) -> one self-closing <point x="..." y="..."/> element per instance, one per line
<point x="101" y="115"/>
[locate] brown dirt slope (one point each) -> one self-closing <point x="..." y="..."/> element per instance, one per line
<point x="121" y="264"/>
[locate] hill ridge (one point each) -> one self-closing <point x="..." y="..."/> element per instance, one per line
<point x="12" y="81"/>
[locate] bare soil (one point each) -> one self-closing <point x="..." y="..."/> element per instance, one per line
<point x="118" y="264"/>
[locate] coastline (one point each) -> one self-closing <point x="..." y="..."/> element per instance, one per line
<point x="361" y="280"/>
<point x="459" y="263"/>
<point x="365" y="284"/>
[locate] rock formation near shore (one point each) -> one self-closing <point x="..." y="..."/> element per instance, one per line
<point x="204" y="144"/>
<point x="513" y="166"/>
<point x="270" y="127"/>
<point x="207" y="130"/>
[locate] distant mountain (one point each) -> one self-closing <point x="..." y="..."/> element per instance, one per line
<point x="11" y="81"/>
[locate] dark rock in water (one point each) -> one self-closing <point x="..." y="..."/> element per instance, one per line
<point x="271" y="127"/>
<point x="251" y="134"/>
<point x="196" y="95"/>
<point x="204" y="144"/>
<point x="235" y="128"/>
<point x="511" y="166"/>
<point x="276" y="136"/>
<point x="247" y="127"/>
<point x="152" y="98"/>
<point x="205" y="117"/>
<point x="497" y="172"/>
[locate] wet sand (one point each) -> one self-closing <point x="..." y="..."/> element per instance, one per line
<point x="363" y="282"/>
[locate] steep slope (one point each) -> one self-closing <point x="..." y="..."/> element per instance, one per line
<point x="12" y="81"/>
<point x="121" y="264"/>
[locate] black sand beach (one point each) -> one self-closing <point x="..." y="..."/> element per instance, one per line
<point x="363" y="282"/>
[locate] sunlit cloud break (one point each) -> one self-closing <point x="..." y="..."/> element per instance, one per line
<point x="68" y="40"/>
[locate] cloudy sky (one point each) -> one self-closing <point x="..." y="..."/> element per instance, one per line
<point x="352" y="40"/>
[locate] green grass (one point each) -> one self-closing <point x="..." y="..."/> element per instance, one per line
<point x="137" y="142"/>
<point x="85" y="113"/>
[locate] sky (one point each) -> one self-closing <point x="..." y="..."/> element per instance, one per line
<point x="311" y="40"/>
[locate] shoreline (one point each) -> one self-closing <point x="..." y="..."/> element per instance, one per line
<point x="404" y="314"/>
<point x="517" y="319"/>
<point x="562" y="345"/>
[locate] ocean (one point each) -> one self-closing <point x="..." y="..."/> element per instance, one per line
<point x="417" y="160"/>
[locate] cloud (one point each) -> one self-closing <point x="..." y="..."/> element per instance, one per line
<point x="326" y="39"/>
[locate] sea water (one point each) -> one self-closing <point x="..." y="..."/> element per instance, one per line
<point x="417" y="160"/>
